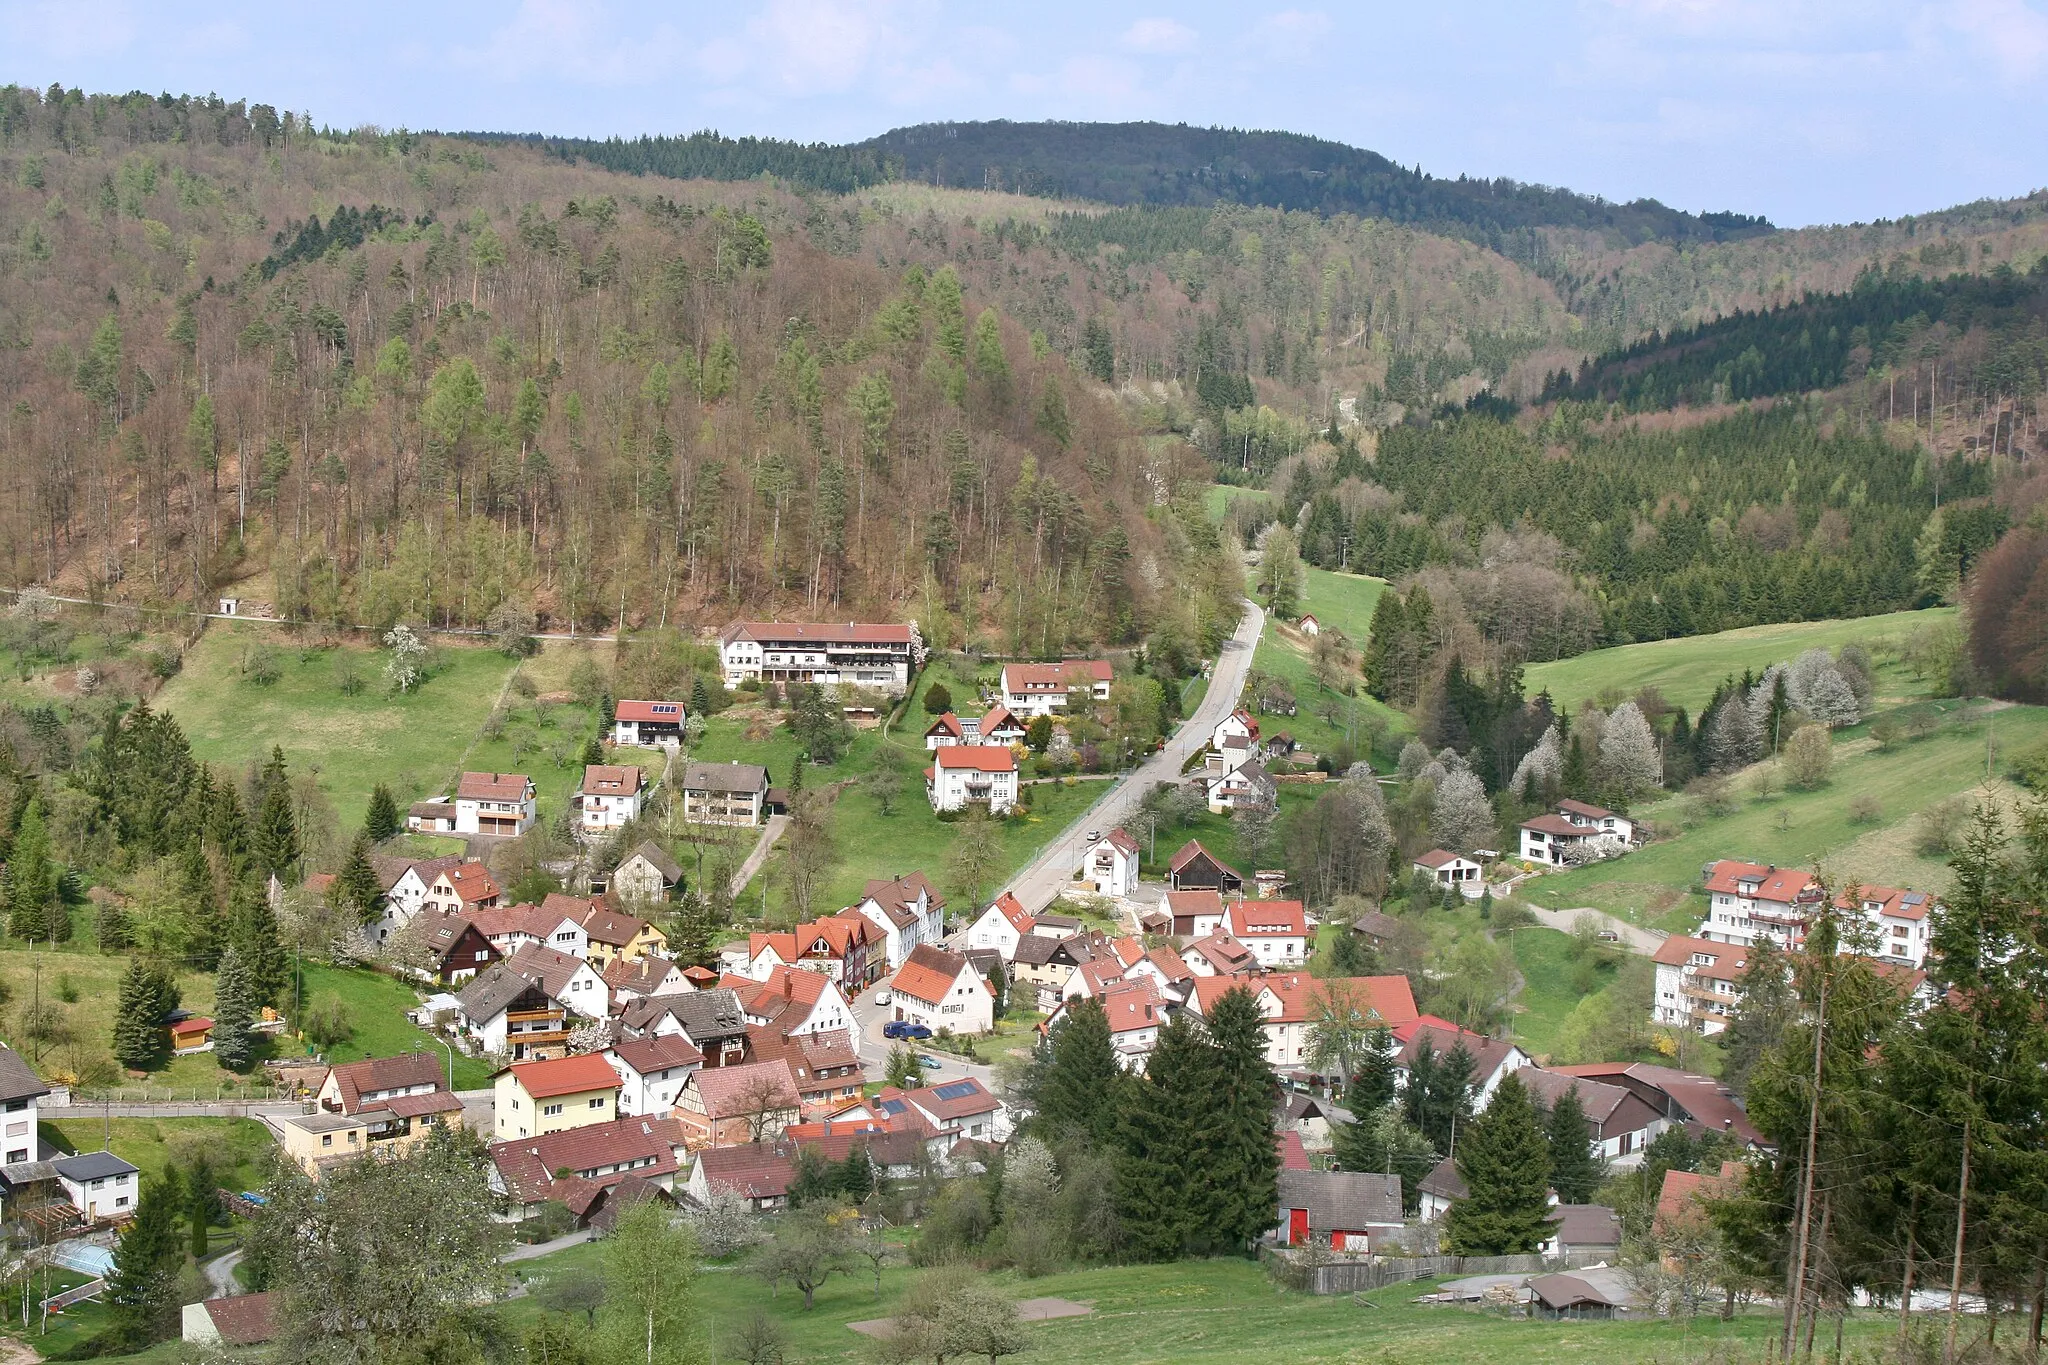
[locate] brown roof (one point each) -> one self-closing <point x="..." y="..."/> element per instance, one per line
<point x="1374" y="924"/>
<point x="390" y="870"/>
<point x="1586" y="1225"/>
<point x="242" y="1319"/>
<point x="645" y="1055"/>
<point x="730" y="1091"/>
<point x="1055" y="677"/>
<point x="1571" y="807"/>
<point x="745" y="778"/>
<point x="1781" y="884"/>
<point x="1700" y="1099"/>
<point x="610" y="779"/>
<point x="758" y="1170"/>
<point x="657" y="857"/>
<point x="896" y="897"/>
<point x="493" y="787"/>
<point x="1557" y="824"/>
<point x="1193" y="903"/>
<point x="472" y="882"/>
<point x="951" y="1101"/>
<point x="606" y="925"/>
<point x="928" y="973"/>
<point x="1193" y="849"/>
<point x="805" y="632"/>
<point x="1682" y="1188"/>
<point x="1437" y="857"/>
<point x="545" y="967"/>
<point x="643" y="975"/>
<point x="645" y="1147"/>
<point x="402" y="1072"/>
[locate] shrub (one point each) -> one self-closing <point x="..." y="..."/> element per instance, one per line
<point x="1809" y="757"/>
<point x="1939" y="826"/>
<point x="1887" y="732"/>
<point x="1865" y="810"/>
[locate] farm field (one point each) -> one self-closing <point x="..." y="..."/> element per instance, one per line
<point x="1223" y="1310"/>
<point x="1652" y="886"/>
<point x="1687" y="670"/>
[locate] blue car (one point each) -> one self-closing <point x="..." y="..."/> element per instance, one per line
<point x="929" y="1062"/>
<point x="903" y="1028"/>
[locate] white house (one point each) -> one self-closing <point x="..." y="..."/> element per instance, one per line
<point x="909" y="911"/>
<point x="494" y="803"/>
<point x="1897" y="919"/>
<point x="997" y="727"/>
<point x="1238" y="723"/>
<point x="405" y="883"/>
<point x="1001" y="926"/>
<point x="1275" y="931"/>
<point x="1247" y="784"/>
<point x="1308" y="625"/>
<point x="1598" y="819"/>
<point x="872" y="656"/>
<point x="609" y="797"/>
<point x="1042" y="689"/>
<point x="964" y="774"/>
<point x="20" y="1089"/>
<point x="1448" y="871"/>
<point x="1749" y="901"/>
<point x="941" y="990"/>
<point x="794" y="1001"/>
<point x="1111" y="863"/>
<point x="962" y="1109"/>
<point x="648" y="724"/>
<point x="652" y="1072"/>
<point x="1698" y="983"/>
<point x="98" y="1184"/>
<point x="943" y="731"/>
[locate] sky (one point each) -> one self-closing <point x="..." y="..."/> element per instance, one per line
<point x="1807" y="111"/>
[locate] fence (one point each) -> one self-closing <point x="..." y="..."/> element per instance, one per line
<point x="165" y="1094"/>
<point x="1357" y="1277"/>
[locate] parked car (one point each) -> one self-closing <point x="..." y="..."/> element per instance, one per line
<point x="1609" y="936"/>
<point x="903" y="1028"/>
<point x="1094" y="836"/>
<point x="881" y="997"/>
<point x="929" y="1062"/>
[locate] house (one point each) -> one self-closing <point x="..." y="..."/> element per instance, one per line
<point x="941" y="990"/>
<point x="908" y="911"/>
<point x="1195" y="868"/>
<point x="1698" y="983"/>
<point x="399" y="1097"/>
<point x="404" y="883"/>
<point x="98" y="1184"/>
<point x="645" y="876"/>
<point x="825" y="1067"/>
<point x="1237" y="725"/>
<point x="611" y="935"/>
<point x="651" y="1072"/>
<point x="1002" y="926"/>
<point x="318" y="1140"/>
<point x="961" y="1109"/>
<point x="894" y="1150"/>
<point x="759" y="1172"/>
<point x="1353" y="1211"/>
<point x="846" y="947"/>
<point x="1440" y="1189"/>
<point x="533" y="1099"/>
<point x="943" y="731"/>
<point x="436" y="815"/>
<point x="1311" y="1118"/>
<point x="794" y="1001"/>
<point x="1290" y="1002"/>
<point x="725" y="793"/>
<point x="875" y="657"/>
<point x="1376" y="928"/>
<point x="642" y="977"/>
<point x="608" y="798"/>
<point x="190" y="1033"/>
<point x="451" y="948"/>
<point x="1583" y="1230"/>
<point x="461" y="887"/>
<point x="711" y="1020"/>
<point x="1041" y="968"/>
<point x="1701" y="1103"/>
<point x="998" y="726"/>
<point x="1554" y="841"/>
<point x="571" y="980"/>
<point x="551" y="924"/>
<point x="494" y="803"/>
<point x="1449" y="871"/>
<point x="1595" y="1292"/>
<point x="1220" y="955"/>
<point x="1046" y="924"/>
<point x="1040" y="689"/>
<point x="1195" y="914"/>
<point x="1622" y="1122"/>
<point x="574" y="1165"/>
<point x="1248" y="784"/>
<point x="1599" y="820"/>
<point x="1275" y="931"/>
<point x="237" y="1320"/>
<point x="751" y="1102"/>
<point x="20" y="1090"/>
<point x="648" y="724"/>
<point x="1309" y="626"/>
<point x="1748" y="901"/>
<point x="502" y="1011"/>
<point x="1896" y="922"/>
<point x="1111" y="863"/>
<point x="1136" y="1006"/>
<point x="972" y="774"/>
<point x="1492" y="1058"/>
<point x="1232" y="754"/>
<point x="1684" y="1194"/>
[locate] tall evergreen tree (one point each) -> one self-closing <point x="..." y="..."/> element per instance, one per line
<point x="1505" y="1163"/>
<point x="141" y="1037"/>
<point x="277" y="832"/>
<point x="1438" y="1096"/>
<point x="1243" y="1166"/>
<point x="1372" y="1085"/>
<point x="1160" y="1151"/>
<point x="32" y="879"/>
<point x="1574" y="1171"/>
<point x="382" y="821"/>
<point x="234" y="1012"/>
<point x="142" y="1288"/>
<point x="1079" y="1080"/>
<point x="206" y="924"/>
<point x="1764" y="1010"/>
<point x="252" y="931"/>
<point x="356" y="887"/>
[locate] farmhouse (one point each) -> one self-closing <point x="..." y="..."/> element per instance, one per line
<point x="725" y="793"/>
<point x="879" y="657"/>
<point x="941" y="990"/>
<point x="609" y="797"/>
<point x="1111" y="863"/>
<point x="1451" y="871"/>
<point x="1195" y="868"/>
<point x="1041" y="689"/>
<point x="1353" y="1211"/>
<point x="646" y="875"/>
<point x="648" y="724"/>
<point x="972" y="774"/>
<point x="494" y="803"/>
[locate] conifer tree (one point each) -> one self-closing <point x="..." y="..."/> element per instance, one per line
<point x="32" y="879"/>
<point x="1381" y="1140"/>
<point x="252" y="931"/>
<point x="1505" y="1163"/>
<point x="382" y="821"/>
<point x="1077" y="1089"/>
<point x="1243" y="1168"/>
<point x="356" y="886"/>
<point x="693" y="931"/>
<point x="277" y="833"/>
<point x="1372" y="1084"/>
<point x="208" y="926"/>
<point x="1161" y="1154"/>
<point x="1574" y="1171"/>
<point x="234" y="1012"/>
<point x="1438" y="1097"/>
<point x="142" y="1288"/>
<point x="141" y="1037"/>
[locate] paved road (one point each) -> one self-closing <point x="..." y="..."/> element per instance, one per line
<point x="762" y="847"/>
<point x="1045" y="876"/>
<point x="1633" y="937"/>
<point x="874" y="1048"/>
<point x="220" y="1274"/>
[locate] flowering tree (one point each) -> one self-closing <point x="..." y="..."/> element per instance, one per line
<point x="408" y="666"/>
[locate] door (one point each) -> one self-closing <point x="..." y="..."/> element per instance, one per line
<point x="1297" y="1226"/>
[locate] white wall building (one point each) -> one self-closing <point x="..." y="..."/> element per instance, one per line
<point x="1111" y="864"/>
<point x="941" y="990"/>
<point x="966" y="774"/>
<point x="494" y="803"/>
<point x="870" y="656"/>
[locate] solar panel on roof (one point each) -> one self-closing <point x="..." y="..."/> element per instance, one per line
<point x="893" y="1106"/>
<point x="958" y="1090"/>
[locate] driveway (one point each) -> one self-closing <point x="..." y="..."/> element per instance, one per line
<point x="1632" y="937"/>
<point x="770" y="832"/>
<point x="874" y="1048"/>
<point x="1045" y="876"/>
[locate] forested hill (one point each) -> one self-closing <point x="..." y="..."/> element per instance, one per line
<point x="1164" y="164"/>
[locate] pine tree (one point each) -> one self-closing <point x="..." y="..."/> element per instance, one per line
<point x="593" y="751"/>
<point x="1505" y="1163"/>
<point x="700" y="696"/>
<point x="1574" y="1171"/>
<point x="200" y="1196"/>
<point x="1438" y="1097"/>
<point x="1372" y="1084"/>
<point x="277" y="833"/>
<point x="208" y="927"/>
<point x="356" y="886"/>
<point x="693" y="932"/>
<point x="1576" y="778"/>
<point x="252" y="931"/>
<point x="32" y="879"/>
<point x="234" y="1013"/>
<point x="141" y="1038"/>
<point x="1243" y="1170"/>
<point x="1160" y="1149"/>
<point x="382" y="822"/>
<point x="1077" y="1087"/>
<point x="142" y="1288"/>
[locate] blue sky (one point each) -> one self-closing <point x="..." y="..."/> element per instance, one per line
<point x="1805" y="110"/>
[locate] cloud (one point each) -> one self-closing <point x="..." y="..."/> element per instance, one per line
<point x="1292" y="35"/>
<point x="1159" y="36"/>
<point x="568" y="38"/>
<point x="2011" y="33"/>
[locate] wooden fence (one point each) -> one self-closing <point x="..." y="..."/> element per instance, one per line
<point x="1357" y="1277"/>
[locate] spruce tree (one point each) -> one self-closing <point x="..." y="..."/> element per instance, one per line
<point x="252" y="931"/>
<point x="1243" y="1170"/>
<point x="1161" y="1154"/>
<point x="593" y="751"/>
<point x="234" y="1013"/>
<point x="700" y="697"/>
<point x="1574" y="1171"/>
<point x="141" y="1038"/>
<point x="277" y="833"/>
<point x="382" y="822"/>
<point x="356" y="886"/>
<point x="32" y="879"/>
<point x="142" y="1288"/>
<point x="1076" y="1091"/>
<point x="693" y="932"/>
<point x="1505" y="1163"/>
<point x="201" y="1191"/>
<point x="1372" y="1084"/>
<point x="208" y="926"/>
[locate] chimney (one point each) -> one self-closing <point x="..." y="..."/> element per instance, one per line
<point x="788" y="985"/>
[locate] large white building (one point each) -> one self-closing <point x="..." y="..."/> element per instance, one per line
<point x="966" y="774"/>
<point x="494" y="803"/>
<point x="1698" y="983"/>
<point x="1041" y="689"/>
<point x="20" y="1089"/>
<point x="871" y="656"/>
<point x="1749" y="901"/>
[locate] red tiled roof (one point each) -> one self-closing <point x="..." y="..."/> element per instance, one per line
<point x="492" y="787"/>
<point x="472" y="883"/>
<point x="981" y="758"/>
<point x="645" y="1055"/>
<point x="1133" y="1006"/>
<point x="998" y="718"/>
<point x="407" y="1069"/>
<point x="947" y="724"/>
<point x="564" y="1075"/>
<point x="610" y="779"/>
<point x="826" y="633"/>
<point x="1300" y="993"/>
<point x="1293" y="1156"/>
<point x="1012" y="910"/>
<point x="243" y="1319"/>
<point x="1268" y="919"/>
<point x="1682" y="1188"/>
<point x="1058" y="677"/>
<point x="645" y="1146"/>
<point x="758" y="1170"/>
<point x="500" y="921"/>
<point x="1223" y="952"/>
<point x="1186" y="904"/>
<point x="669" y="711"/>
<point x="929" y="973"/>
<point x="1192" y="849"/>
<point x="1893" y="902"/>
<point x="953" y="1107"/>
<point x="744" y="1089"/>
<point x="1780" y="884"/>
<point x="1677" y="950"/>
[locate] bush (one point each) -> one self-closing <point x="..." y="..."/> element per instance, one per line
<point x="1809" y="757"/>
<point x="2030" y="768"/>
<point x="1887" y="732"/>
<point x="938" y="700"/>
<point x="1940" y="826"/>
<point x="326" y="1021"/>
<point x="1865" y="810"/>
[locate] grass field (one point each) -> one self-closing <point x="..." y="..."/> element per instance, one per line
<point x="1687" y="670"/>
<point x="1548" y="994"/>
<point x="1341" y="601"/>
<point x="1653" y="885"/>
<point x="1326" y="719"/>
<point x="1222" y="1311"/>
<point x="1218" y="835"/>
<point x="239" y="1149"/>
<point x="1217" y="497"/>
<point x="377" y="1006"/>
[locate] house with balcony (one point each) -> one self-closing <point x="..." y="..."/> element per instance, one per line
<point x="1748" y="901"/>
<point x="908" y="911"/>
<point x="398" y="1098"/>
<point x="876" y="657"/>
<point x="725" y="794"/>
<point x="1030" y="690"/>
<point x="964" y="775"/>
<point x="609" y="797"/>
<point x="1698" y="983"/>
<point x="648" y="724"/>
<point x="1110" y="864"/>
<point x="501" y="804"/>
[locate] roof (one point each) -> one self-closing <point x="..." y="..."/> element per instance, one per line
<point x="1563" y="1291"/>
<point x="1120" y="839"/>
<point x="1597" y="1099"/>
<point x="704" y="1015"/>
<point x="196" y="1023"/>
<point x="492" y="991"/>
<point x="1343" y="1201"/>
<point x="242" y="1319"/>
<point x="434" y="808"/>
<point x="1488" y="1054"/>
<point x="1703" y="1099"/>
<point x="1268" y="919"/>
<point x="657" y="858"/>
<point x="492" y="787"/>
<point x="999" y="718"/>
<point x="564" y="1075"/>
<point x="745" y="1089"/>
<point x="899" y="896"/>
<point x="472" y="882"/>
<point x="1571" y="807"/>
<point x="606" y="925"/>
<point x="823" y="633"/>
<point x="1557" y="824"/>
<point x="528" y="1165"/>
<point x="18" y="1081"/>
<point x="1773" y="883"/>
<point x="981" y="758"/>
<point x="391" y="870"/>
<point x="946" y="724"/>
<point x="1681" y="1188"/>
<point x="1437" y="857"/>
<point x="928" y="973"/>
<point x="418" y="1106"/>
<point x="1194" y="903"/>
<point x="1134" y="1006"/>
<point x="402" y="1072"/>
<point x="1293" y="1156"/>
<point x="954" y="1100"/>
<point x="725" y="777"/>
<point x="501" y="921"/>
<point x="545" y="967"/>
<point x="643" y="975"/>
<point x="1443" y="1181"/>
<point x="1222" y="952"/>
<point x="1012" y="910"/>
<point x="1193" y="849"/>
<point x="1893" y="902"/>
<point x="668" y="712"/>
<point x="644" y="1055"/>
<point x="610" y="779"/>
<point x="1299" y="994"/>
<point x="784" y="989"/>
<point x="92" y="1166"/>
<point x="1586" y="1225"/>
<point x="758" y="1170"/>
<point x="1058" y="677"/>
<point x="1375" y="924"/>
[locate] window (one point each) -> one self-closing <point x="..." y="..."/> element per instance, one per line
<point x="327" y="1139"/>
<point x="597" y="1102"/>
<point x="551" y="1109"/>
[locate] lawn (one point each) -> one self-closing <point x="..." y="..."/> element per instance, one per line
<point x="1217" y="1310"/>
<point x="377" y="1005"/>
<point x="1218" y="835"/>
<point x="416" y="743"/>
<point x="1549" y="994"/>
<point x="239" y="1149"/>
<point x="1341" y="601"/>
<point x="1217" y="497"/>
<point x="1687" y="670"/>
<point x="1327" y="720"/>
<point x="1652" y="885"/>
